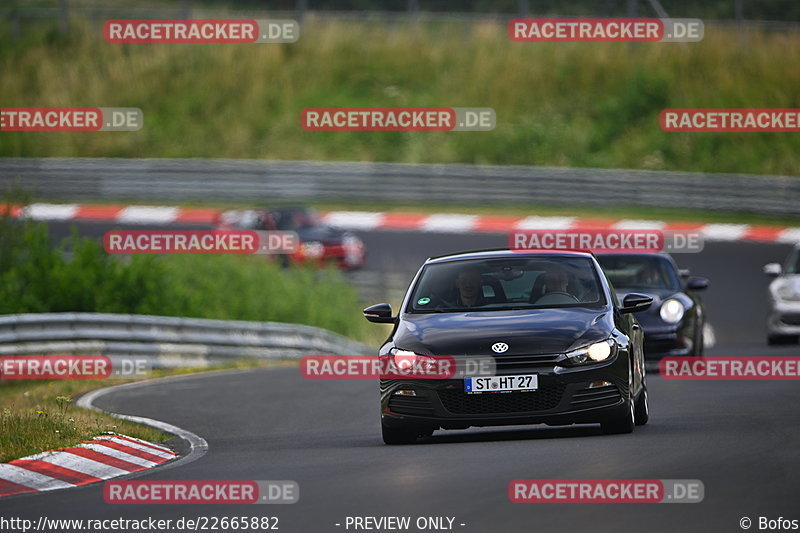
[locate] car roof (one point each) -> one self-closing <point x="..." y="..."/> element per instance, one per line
<point x="504" y="254"/>
<point x="661" y="255"/>
<point x="286" y="209"/>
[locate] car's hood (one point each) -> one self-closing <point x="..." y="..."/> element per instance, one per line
<point x="539" y="331"/>
<point x="791" y="280"/>
<point x="794" y="279"/>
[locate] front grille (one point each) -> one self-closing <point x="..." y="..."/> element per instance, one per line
<point x="595" y="397"/>
<point x="654" y="347"/>
<point x="510" y="363"/>
<point x="792" y="319"/>
<point x="410" y="405"/>
<point x="543" y="399"/>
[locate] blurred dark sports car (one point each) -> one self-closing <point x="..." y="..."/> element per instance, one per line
<point x="674" y="324"/>
<point x="319" y="243"/>
<point x="564" y="351"/>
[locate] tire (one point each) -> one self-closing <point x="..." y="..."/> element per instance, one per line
<point x="623" y="423"/>
<point x="641" y="413"/>
<point x="699" y="342"/>
<point x="401" y="435"/>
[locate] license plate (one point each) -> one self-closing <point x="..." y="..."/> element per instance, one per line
<point x="501" y="384"/>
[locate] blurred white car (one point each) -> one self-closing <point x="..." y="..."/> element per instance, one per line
<point x="783" y="322"/>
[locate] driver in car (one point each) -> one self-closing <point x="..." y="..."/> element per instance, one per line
<point x="469" y="283"/>
<point x="555" y="280"/>
<point x="649" y="277"/>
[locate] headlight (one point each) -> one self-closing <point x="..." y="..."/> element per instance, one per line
<point x="786" y="290"/>
<point x="672" y="311"/>
<point x="351" y="241"/>
<point x="312" y="249"/>
<point x="405" y="360"/>
<point x="599" y="351"/>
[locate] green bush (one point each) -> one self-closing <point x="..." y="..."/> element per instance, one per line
<point x="78" y="275"/>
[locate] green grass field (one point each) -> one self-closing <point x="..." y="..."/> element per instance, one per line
<point x="575" y="104"/>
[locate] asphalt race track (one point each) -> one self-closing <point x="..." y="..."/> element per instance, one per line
<point x="738" y="438"/>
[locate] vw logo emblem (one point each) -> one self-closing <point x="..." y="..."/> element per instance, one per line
<point x="499" y="347"/>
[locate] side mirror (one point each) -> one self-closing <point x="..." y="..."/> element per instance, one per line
<point x="380" y="314"/>
<point x="697" y="283"/>
<point x="773" y="270"/>
<point x="633" y="303"/>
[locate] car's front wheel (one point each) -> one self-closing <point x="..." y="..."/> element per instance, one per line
<point x="399" y="435"/>
<point x="623" y="423"/>
<point x="699" y="341"/>
<point x="641" y="414"/>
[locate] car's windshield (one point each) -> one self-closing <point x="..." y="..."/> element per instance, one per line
<point x="793" y="262"/>
<point x="296" y="219"/>
<point x="508" y="283"/>
<point x="639" y="272"/>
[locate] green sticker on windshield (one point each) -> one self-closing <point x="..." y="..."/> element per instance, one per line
<point x="423" y="301"/>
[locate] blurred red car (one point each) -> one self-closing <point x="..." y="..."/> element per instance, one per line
<point x="318" y="242"/>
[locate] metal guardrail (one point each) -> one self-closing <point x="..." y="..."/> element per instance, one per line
<point x="167" y="341"/>
<point x="18" y="15"/>
<point x="259" y="181"/>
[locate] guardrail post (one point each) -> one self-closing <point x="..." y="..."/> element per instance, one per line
<point x="15" y="25"/>
<point x="301" y="6"/>
<point x="739" y="15"/>
<point x="64" y="15"/>
<point x="186" y="9"/>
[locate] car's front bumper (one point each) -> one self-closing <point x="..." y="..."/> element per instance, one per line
<point x="589" y="394"/>
<point x="343" y="257"/>
<point x="663" y="343"/>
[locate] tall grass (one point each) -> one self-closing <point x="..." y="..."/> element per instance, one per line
<point x="573" y="104"/>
